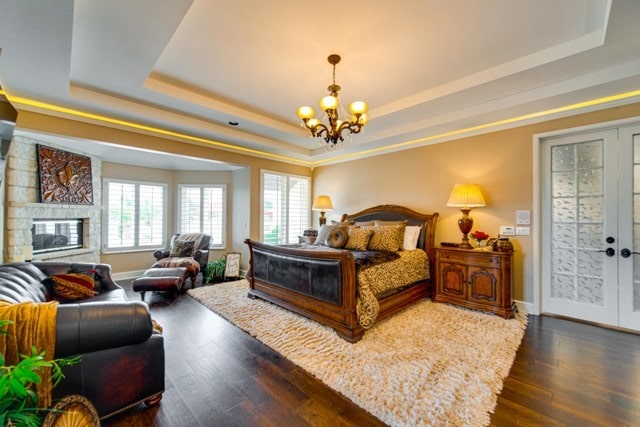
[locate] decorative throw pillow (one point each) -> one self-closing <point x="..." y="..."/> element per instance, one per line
<point x="323" y="233"/>
<point x="337" y="237"/>
<point x="342" y="224"/>
<point x="182" y="248"/>
<point x="358" y="238"/>
<point x="411" y="235"/>
<point x="388" y="238"/>
<point x="71" y="287"/>
<point x="382" y="223"/>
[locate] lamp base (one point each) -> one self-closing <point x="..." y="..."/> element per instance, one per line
<point x="322" y="219"/>
<point x="465" y="224"/>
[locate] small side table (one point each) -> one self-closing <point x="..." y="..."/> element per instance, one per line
<point x="475" y="279"/>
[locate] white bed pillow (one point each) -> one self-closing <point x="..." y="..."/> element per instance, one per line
<point x="411" y="235"/>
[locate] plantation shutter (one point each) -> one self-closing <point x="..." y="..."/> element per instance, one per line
<point x="121" y="225"/>
<point x="202" y="210"/>
<point x="285" y="207"/>
<point x="151" y="215"/>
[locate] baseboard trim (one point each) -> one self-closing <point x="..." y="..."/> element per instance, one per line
<point x="524" y="306"/>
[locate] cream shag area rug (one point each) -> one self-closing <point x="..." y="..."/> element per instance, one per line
<point x="431" y="364"/>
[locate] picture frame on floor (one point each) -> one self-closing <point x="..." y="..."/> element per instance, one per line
<point x="232" y="266"/>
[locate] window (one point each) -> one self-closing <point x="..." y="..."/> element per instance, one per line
<point x="203" y="210"/>
<point x="285" y="207"/>
<point x="135" y="215"/>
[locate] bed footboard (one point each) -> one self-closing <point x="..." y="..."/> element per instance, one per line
<point x="318" y="284"/>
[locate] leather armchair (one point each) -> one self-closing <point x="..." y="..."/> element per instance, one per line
<point x="122" y="356"/>
<point x="199" y="256"/>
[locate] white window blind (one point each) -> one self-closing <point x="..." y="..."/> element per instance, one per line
<point x="135" y="215"/>
<point x="285" y="207"/>
<point x="203" y="210"/>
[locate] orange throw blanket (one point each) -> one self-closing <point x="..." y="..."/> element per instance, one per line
<point x="34" y="324"/>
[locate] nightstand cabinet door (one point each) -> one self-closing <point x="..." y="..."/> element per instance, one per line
<point x="475" y="279"/>
<point x="484" y="285"/>
<point x="454" y="280"/>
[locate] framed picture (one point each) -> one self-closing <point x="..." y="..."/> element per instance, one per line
<point x="232" y="266"/>
<point x="64" y="177"/>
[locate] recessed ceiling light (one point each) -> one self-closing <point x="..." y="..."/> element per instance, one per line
<point x="232" y="123"/>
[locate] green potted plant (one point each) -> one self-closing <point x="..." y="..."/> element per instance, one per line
<point x="18" y="400"/>
<point x="215" y="270"/>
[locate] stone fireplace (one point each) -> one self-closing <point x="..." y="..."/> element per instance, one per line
<point x="24" y="210"/>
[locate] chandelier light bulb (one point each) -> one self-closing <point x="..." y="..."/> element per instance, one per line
<point x="305" y="112"/>
<point x="363" y="119"/>
<point x="358" y="107"/>
<point x="329" y="102"/>
<point x="313" y="123"/>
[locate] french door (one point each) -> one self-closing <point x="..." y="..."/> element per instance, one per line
<point x="591" y="226"/>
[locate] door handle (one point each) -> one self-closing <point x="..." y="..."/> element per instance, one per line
<point x="626" y="253"/>
<point x="609" y="252"/>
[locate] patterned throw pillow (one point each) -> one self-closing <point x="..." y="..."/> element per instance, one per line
<point x="182" y="248"/>
<point x="337" y="237"/>
<point x="388" y="238"/>
<point x="71" y="287"/>
<point x="383" y="223"/>
<point x="358" y="238"/>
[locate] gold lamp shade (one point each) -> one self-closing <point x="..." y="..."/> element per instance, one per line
<point x="465" y="197"/>
<point x="322" y="203"/>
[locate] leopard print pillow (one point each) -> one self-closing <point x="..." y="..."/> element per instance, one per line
<point x="358" y="238"/>
<point x="387" y="238"/>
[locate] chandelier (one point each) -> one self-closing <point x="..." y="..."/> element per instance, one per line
<point x="332" y="131"/>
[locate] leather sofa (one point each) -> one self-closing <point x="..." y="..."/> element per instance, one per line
<point x="122" y="356"/>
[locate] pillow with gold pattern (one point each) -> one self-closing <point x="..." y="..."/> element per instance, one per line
<point x="358" y="238"/>
<point x="388" y="238"/>
<point x="71" y="287"/>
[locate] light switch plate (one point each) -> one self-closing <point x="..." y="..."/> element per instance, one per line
<point x="523" y="217"/>
<point x="507" y="230"/>
<point x="523" y="231"/>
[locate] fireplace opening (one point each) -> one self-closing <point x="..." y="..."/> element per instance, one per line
<point x="50" y="235"/>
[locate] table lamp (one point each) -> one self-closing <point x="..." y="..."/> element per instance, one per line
<point x="465" y="197"/>
<point x="322" y="204"/>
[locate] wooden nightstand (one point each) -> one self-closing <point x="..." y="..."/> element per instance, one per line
<point x="475" y="279"/>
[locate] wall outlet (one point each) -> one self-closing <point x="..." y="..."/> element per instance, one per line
<point x="507" y="230"/>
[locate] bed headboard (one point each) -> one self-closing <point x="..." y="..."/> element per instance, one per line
<point x="426" y="240"/>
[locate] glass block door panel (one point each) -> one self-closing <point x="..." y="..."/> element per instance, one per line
<point x="577" y="274"/>
<point x="629" y="223"/>
<point x="577" y="203"/>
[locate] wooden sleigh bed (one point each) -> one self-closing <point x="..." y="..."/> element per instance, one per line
<point x="321" y="284"/>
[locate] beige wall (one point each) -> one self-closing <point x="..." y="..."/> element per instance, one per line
<point x="244" y="198"/>
<point x="422" y="178"/>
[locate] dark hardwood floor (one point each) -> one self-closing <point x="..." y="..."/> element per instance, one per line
<point x="565" y="374"/>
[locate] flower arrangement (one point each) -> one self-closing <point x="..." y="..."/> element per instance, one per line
<point x="479" y="236"/>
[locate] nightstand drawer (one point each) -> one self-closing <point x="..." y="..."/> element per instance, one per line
<point x="471" y="257"/>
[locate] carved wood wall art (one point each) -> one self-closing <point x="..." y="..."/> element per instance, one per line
<point x="64" y="177"/>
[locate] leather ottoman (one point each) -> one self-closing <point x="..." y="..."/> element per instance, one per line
<point x="161" y="280"/>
